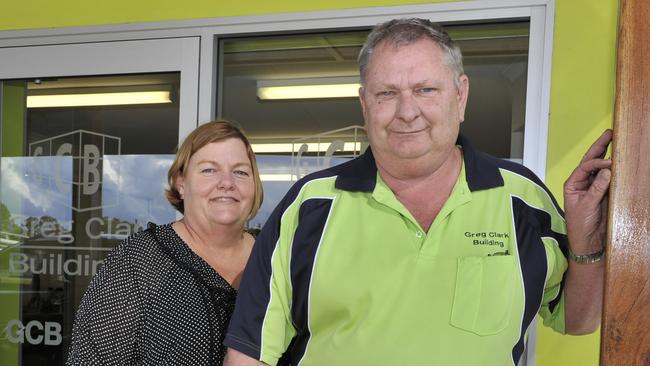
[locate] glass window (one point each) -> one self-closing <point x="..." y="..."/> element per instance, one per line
<point x="298" y="131"/>
<point x="84" y="165"/>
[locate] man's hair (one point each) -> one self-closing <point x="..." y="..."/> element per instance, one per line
<point x="400" y="32"/>
<point x="214" y="131"/>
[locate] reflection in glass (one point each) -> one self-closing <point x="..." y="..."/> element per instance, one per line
<point x="44" y="250"/>
<point x="495" y="59"/>
<point x="75" y="181"/>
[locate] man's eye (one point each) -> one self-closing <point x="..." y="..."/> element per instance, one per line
<point x="386" y="93"/>
<point x="426" y="90"/>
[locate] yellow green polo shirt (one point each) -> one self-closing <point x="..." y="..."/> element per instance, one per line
<point x="342" y="273"/>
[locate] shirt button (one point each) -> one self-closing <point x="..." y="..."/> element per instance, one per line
<point x="419" y="234"/>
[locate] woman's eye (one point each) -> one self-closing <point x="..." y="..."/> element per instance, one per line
<point x="207" y="171"/>
<point x="241" y="173"/>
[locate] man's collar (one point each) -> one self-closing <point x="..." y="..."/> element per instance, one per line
<point x="481" y="170"/>
<point x="359" y="174"/>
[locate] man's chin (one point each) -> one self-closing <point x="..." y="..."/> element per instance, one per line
<point x="410" y="149"/>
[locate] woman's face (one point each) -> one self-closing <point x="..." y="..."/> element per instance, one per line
<point x="217" y="186"/>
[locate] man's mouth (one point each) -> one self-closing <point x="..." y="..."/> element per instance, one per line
<point x="409" y="132"/>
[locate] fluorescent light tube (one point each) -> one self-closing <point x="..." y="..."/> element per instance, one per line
<point x="98" y="99"/>
<point x="335" y="87"/>
<point x="293" y="148"/>
<point x="308" y="91"/>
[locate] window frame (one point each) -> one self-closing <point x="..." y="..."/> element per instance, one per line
<point x="539" y="12"/>
<point x="112" y="58"/>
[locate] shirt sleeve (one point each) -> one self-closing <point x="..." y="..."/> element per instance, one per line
<point x="549" y="225"/>
<point x="553" y="235"/>
<point x="552" y="310"/>
<point x="106" y="326"/>
<point x="261" y="325"/>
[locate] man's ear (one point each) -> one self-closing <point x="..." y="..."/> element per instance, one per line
<point x="463" y="93"/>
<point x="362" y="101"/>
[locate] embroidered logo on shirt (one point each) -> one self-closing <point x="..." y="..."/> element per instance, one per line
<point x="490" y="238"/>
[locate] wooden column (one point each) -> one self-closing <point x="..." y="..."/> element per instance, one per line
<point x="625" y="336"/>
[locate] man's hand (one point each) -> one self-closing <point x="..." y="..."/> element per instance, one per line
<point x="585" y="199"/>
<point x="585" y="205"/>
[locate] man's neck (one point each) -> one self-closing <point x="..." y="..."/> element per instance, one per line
<point x="423" y="192"/>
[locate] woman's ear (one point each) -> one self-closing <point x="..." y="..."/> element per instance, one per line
<point x="180" y="185"/>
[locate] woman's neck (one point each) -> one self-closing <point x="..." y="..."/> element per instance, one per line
<point x="222" y="237"/>
<point x="226" y="250"/>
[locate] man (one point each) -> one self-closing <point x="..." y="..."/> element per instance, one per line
<point x="423" y="250"/>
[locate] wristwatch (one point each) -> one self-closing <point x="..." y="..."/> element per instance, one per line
<point x="587" y="258"/>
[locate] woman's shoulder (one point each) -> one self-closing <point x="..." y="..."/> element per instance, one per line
<point x="141" y="246"/>
<point x="149" y="233"/>
<point x="138" y="256"/>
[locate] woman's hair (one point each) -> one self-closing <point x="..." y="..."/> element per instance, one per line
<point x="213" y="131"/>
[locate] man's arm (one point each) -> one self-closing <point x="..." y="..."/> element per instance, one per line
<point x="585" y="203"/>
<point x="236" y="358"/>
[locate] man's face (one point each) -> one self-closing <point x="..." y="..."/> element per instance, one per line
<point x="411" y="106"/>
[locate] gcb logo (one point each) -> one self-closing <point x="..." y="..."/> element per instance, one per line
<point x="34" y="332"/>
<point x="76" y="161"/>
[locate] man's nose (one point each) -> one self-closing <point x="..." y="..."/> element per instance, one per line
<point x="407" y="107"/>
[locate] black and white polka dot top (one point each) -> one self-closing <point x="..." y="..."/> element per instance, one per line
<point x="154" y="302"/>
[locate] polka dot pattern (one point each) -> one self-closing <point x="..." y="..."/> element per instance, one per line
<point x="153" y="302"/>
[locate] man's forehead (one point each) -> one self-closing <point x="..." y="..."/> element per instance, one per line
<point x="395" y="44"/>
<point x="418" y="73"/>
<point x="387" y="52"/>
<point x="388" y="48"/>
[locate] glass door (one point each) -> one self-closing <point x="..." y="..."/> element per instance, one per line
<point x="88" y="132"/>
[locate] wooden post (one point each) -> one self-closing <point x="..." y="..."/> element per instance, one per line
<point x="625" y="336"/>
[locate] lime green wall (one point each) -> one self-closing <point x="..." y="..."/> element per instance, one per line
<point x="45" y="13"/>
<point x="582" y="105"/>
<point x="582" y="86"/>
<point x="13" y="117"/>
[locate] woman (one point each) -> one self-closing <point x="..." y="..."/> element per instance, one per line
<point x="165" y="295"/>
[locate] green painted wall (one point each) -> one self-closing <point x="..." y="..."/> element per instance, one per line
<point x="45" y="13"/>
<point x="13" y="116"/>
<point x="582" y="106"/>
<point x="582" y="87"/>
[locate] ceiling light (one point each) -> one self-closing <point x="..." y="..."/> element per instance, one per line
<point x="82" y="97"/>
<point x="334" y="87"/>
<point x="289" y="148"/>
